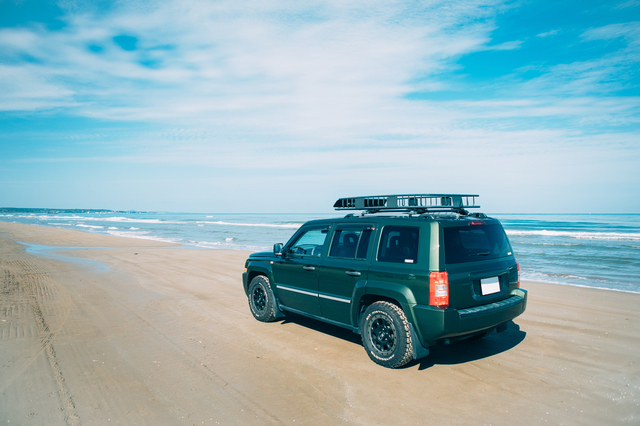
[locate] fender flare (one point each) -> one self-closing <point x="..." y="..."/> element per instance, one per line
<point x="384" y="290"/>
<point x="391" y="291"/>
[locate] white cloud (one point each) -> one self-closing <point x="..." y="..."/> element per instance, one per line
<point x="548" y="33"/>
<point x="316" y="61"/>
<point x="25" y="88"/>
<point x="629" y="3"/>
<point x="600" y="77"/>
<point x="507" y="45"/>
<point x="317" y="90"/>
<point x="630" y="31"/>
<point x="334" y="69"/>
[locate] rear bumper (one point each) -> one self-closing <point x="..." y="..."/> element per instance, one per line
<point x="433" y="324"/>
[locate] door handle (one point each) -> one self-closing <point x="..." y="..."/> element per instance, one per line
<point x="353" y="273"/>
<point x="309" y="268"/>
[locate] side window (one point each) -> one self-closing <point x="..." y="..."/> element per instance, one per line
<point x="350" y="243"/>
<point x="399" y="244"/>
<point x="310" y="243"/>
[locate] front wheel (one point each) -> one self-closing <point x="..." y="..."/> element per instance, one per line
<point x="261" y="299"/>
<point x="386" y="335"/>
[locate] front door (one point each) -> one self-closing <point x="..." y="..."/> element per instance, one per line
<point x="296" y="272"/>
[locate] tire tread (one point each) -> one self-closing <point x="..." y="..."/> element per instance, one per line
<point x="407" y="355"/>
<point x="269" y="315"/>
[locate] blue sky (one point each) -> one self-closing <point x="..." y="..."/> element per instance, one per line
<point x="276" y="106"/>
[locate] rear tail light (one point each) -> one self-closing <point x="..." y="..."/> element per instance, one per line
<point x="439" y="289"/>
<point x="518" y="265"/>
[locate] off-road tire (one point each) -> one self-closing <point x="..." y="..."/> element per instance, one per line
<point x="386" y="335"/>
<point x="261" y="299"/>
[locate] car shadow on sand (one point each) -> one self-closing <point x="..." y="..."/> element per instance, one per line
<point x="323" y="327"/>
<point x="455" y="353"/>
<point x="472" y="350"/>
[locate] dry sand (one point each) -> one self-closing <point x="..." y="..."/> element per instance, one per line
<point x="139" y="332"/>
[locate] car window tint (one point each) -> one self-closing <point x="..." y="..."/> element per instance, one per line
<point x="472" y="243"/>
<point x="345" y="243"/>
<point x="350" y="243"/>
<point x="399" y="244"/>
<point x="363" y="245"/>
<point x="309" y="243"/>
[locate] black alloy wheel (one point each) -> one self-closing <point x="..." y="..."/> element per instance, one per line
<point x="383" y="334"/>
<point x="261" y="299"/>
<point x="386" y="335"/>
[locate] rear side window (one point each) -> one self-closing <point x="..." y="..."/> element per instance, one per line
<point x="473" y="243"/>
<point x="399" y="244"/>
<point x="350" y="243"/>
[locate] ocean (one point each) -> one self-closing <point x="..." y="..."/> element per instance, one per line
<point x="587" y="250"/>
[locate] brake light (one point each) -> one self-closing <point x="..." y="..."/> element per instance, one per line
<point x="476" y="223"/>
<point x="518" y="265"/>
<point x="439" y="289"/>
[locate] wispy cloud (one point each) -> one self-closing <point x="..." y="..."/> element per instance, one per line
<point x="507" y="45"/>
<point x="586" y="83"/>
<point x="629" y="3"/>
<point x="630" y="31"/>
<point x="277" y="88"/>
<point x="332" y="66"/>
<point x="548" y="33"/>
<point x="316" y="63"/>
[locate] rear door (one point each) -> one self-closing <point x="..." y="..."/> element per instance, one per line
<point x="345" y="266"/>
<point x="397" y="259"/>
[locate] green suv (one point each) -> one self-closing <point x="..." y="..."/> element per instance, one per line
<point x="408" y="272"/>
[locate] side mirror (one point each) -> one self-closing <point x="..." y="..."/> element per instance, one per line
<point x="277" y="249"/>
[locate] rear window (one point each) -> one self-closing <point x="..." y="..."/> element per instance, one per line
<point x="476" y="242"/>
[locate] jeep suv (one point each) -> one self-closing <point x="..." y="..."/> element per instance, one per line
<point x="408" y="272"/>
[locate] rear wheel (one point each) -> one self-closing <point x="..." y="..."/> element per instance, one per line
<point x="386" y="335"/>
<point x="261" y="299"/>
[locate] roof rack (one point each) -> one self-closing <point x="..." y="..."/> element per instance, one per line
<point x="410" y="203"/>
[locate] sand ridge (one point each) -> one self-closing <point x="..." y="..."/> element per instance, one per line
<point x="163" y="335"/>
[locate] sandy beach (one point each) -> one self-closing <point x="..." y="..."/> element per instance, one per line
<point x="109" y="330"/>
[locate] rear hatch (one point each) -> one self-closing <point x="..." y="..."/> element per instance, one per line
<point x="479" y="261"/>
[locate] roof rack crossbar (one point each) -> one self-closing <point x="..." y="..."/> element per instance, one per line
<point x="419" y="203"/>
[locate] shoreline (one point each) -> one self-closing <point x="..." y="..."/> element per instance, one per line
<point x="163" y="335"/>
<point x="164" y="243"/>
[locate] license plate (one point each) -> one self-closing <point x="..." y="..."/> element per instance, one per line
<point x="490" y="285"/>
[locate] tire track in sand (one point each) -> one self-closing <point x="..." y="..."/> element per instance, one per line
<point x="33" y="308"/>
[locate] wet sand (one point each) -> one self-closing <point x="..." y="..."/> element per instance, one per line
<point x="129" y="331"/>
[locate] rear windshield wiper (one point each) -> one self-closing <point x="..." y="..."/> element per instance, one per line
<point x="484" y="253"/>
